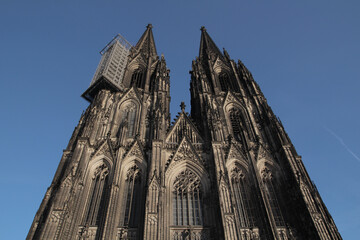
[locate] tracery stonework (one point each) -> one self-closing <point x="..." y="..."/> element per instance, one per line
<point x="186" y="181"/>
<point x="102" y="171"/>
<point x="226" y="170"/>
<point x="237" y="174"/>
<point x="134" y="173"/>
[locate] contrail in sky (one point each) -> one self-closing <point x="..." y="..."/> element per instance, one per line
<point x="342" y="143"/>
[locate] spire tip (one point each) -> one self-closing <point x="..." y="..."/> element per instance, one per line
<point x="203" y="29"/>
<point x="149" y="26"/>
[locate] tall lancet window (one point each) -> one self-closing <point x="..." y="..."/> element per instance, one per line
<point x="235" y="119"/>
<point x="186" y="200"/>
<point x="272" y="193"/>
<point x="242" y="195"/>
<point x="96" y="198"/>
<point x="137" y="79"/>
<point x="133" y="197"/>
<point x="128" y="119"/>
<point x="224" y="81"/>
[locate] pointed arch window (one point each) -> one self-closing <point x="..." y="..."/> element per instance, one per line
<point x="128" y="119"/>
<point x="235" y="119"/>
<point x="133" y="197"/>
<point x="224" y="81"/>
<point x="242" y="194"/>
<point x="186" y="200"/>
<point x="137" y="78"/>
<point x="271" y="192"/>
<point x="97" y="195"/>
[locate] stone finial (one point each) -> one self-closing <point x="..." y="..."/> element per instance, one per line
<point x="182" y="105"/>
<point x="149" y="26"/>
<point x="203" y="29"/>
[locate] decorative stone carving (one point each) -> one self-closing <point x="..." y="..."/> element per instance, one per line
<point x="190" y="234"/>
<point x="135" y="151"/>
<point x="237" y="174"/>
<point x="235" y="153"/>
<point x="56" y="215"/>
<point x="134" y="173"/>
<point x="152" y="219"/>
<point x="103" y="149"/>
<point x="266" y="174"/>
<point x="250" y="233"/>
<point x="101" y="171"/>
<point x="131" y="94"/>
<point x="67" y="182"/>
<point x="184" y="152"/>
<point x="186" y="181"/>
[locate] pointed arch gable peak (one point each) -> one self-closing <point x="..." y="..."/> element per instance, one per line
<point x="104" y="149"/>
<point x="219" y="66"/>
<point x="265" y="160"/>
<point x="188" y="122"/>
<point x="154" y="65"/>
<point x="234" y="156"/>
<point x="133" y="95"/>
<point x="185" y="152"/>
<point x="136" y="151"/>
<point x="154" y="180"/>
<point x="232" y="101"/>
<point x="138" y="61"/>
<point x="263" y="153"/>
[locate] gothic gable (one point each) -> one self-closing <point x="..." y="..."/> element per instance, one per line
<point x="219" y="66"/>
<point x="135" y="150"/>
<point x="185" y="151"/>
<point x="266" y="163"/>
<point x="154" y="64"/>
<point x="231" y="99"/>
<point x="154" y="181"/>
<point x="104" y="148"/>
<point x="132" y="93"/>
<point x="263" y="154"/>
<point x="137" y="60"/>
<point x="235" y="152"/>
<point x="183" y="127"/>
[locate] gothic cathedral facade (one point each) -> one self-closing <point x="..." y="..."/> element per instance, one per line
<point x="227" y="171"/>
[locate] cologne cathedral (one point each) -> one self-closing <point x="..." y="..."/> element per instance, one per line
<point x="226" y="170"/>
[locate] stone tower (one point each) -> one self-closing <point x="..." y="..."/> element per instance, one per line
<point x="228" y="170"/>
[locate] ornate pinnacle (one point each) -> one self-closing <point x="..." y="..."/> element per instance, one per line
<point x="149" y="26"/>
<point x="226" y="53"/>
<point x="182" y="105"/>
<point x="203" y="29"/>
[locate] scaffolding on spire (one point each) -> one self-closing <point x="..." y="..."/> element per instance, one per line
<point x="110" y="71"/>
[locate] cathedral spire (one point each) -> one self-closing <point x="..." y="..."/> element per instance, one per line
<point x="146" y="43"/>
<point x="207" y="45"/>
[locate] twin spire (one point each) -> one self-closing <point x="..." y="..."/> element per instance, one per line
<point x="146" y="43"/>
<point x="207" y="45"/>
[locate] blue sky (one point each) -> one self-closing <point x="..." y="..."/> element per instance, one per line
<point x="303" y="54"/>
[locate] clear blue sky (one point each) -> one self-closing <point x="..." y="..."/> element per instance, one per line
<point x="305" y="56"/>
